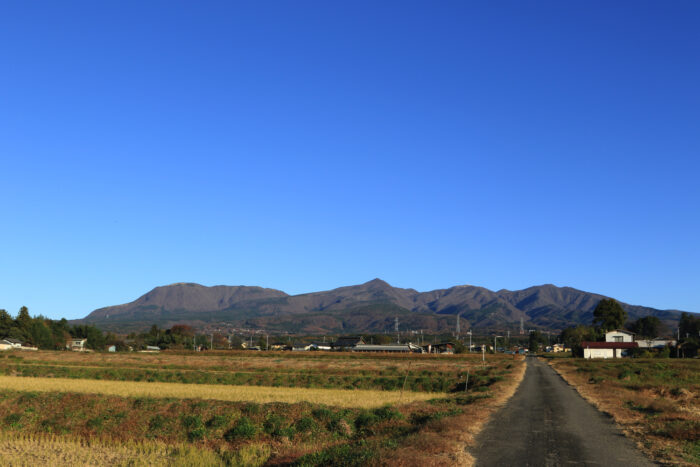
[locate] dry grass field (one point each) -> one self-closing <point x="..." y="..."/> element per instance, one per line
<point x="655" y="401"/>
<point x="66" y="408"/>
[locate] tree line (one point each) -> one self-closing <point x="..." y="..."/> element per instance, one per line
<point x="45" y="333"/>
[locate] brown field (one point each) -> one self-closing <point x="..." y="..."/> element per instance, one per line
<point x="656" y="402"/>
<point x="131" y="414"/>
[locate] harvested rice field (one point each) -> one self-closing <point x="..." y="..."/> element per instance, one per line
<point x="245" y="408"/>
<point x="261" y="394"/>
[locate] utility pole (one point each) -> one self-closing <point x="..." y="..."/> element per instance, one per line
<point x="267" y="342"/>
<point x="396" y="328"/>
<point x="212" y="340"/>
<point x="470" y="340"/>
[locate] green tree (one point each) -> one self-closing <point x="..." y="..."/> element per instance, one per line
<point x="40" y="335"/>
<point x="609" y="315"/>
<point x="6" y="323"/>
<point x="689" y="327"/>
<point x="535" y="340"/>
<point x="648" y="326"/>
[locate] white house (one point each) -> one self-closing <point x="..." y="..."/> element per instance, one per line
<point x="606" y="349"/>
<point x="619" y="335"/>
<point x="77" y="344"/>
<point x="6" y="345"/>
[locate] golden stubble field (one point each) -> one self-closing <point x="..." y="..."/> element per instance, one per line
<point x="112" y="409"/>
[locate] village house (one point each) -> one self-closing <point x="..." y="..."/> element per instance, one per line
<point x="347" y="343"/>
<point x="617" y="344"/>
<point x="77" y="344"/>
<point x="5" y="345"/>
<point x="9" y="344"/>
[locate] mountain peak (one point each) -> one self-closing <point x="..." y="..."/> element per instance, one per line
<point x="377" y="282"/>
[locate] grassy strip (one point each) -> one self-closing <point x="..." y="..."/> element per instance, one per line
<point x="430" y="382"/>
<point x="258" y="394"/>
<point x="657" y="403"/>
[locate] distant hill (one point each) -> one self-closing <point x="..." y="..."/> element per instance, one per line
<point x="368" y="307"/>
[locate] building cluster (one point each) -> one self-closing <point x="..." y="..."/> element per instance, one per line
<point x="618" y="344"/>
<point x="357" y="344"/>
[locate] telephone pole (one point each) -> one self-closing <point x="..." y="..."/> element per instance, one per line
<point x="396" y="328"/>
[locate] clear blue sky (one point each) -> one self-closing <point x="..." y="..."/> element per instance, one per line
<point x="309" y="145"/>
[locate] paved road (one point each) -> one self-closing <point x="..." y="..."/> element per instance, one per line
<point x="547" y="423"/>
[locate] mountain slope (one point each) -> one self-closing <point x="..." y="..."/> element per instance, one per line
<point x="371" y="306"/>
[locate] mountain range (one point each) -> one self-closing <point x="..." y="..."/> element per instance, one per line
<point x="369" y="307"/>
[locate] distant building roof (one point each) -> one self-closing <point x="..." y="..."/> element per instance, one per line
<point x="624" y="331"/>
<point x="349" y="341"/>
<point x="609" y="345"/>
<point x="386" y="348"/>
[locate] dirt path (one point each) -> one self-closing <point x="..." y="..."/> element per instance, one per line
<point x="547" y="423"/>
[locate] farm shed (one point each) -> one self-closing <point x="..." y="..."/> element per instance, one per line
<point x="400" y="348"/>
<point x="606" y="349"/>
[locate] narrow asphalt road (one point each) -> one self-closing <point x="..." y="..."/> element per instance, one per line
<point x="547" y="423"/>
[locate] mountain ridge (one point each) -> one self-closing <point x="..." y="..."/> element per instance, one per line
<point x="367" y="307"/>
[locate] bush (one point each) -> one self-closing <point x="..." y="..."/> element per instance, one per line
<point x="191" y="421"/>
<point x="322" y="414"/>
<point x="275" y="425"/>
<point x="243" y="429"/>
<point x="365" y="419"/>
<point x="387" y="413"/>
<point x="251" y="408"/>
<point x="217" y="421"/>
<point x="306" y="424"/>
<point x="13" y="420"/>
<point x="343" y="455"/>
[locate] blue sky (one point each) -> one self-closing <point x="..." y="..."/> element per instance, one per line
<point x="310" y="145"/>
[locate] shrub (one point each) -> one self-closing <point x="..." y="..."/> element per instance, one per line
<point x="13" y="420"/>
<point x="191" y="421"/>
<point x="243" y="429"/>
<point x="306" y="424"/>
<point x="344" y="455"/>
<point x="322" y="414"/>
<point x="251" y="408"/>
<point x="156" y="422"/>
<point x="275" y="425"/>
<point x="196" y="433"/>
<point x="387" y="413"/>
<point x="364" y="420"/>
<point x="217" y="421"/>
